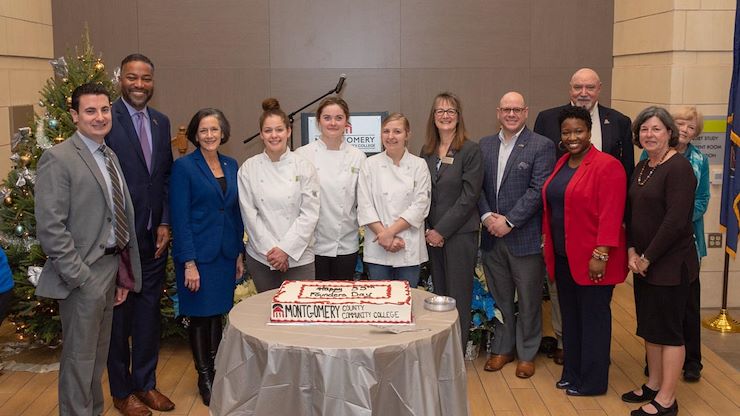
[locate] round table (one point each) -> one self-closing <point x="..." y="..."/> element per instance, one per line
<point x="264" y="369"/>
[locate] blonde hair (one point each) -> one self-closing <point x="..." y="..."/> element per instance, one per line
<point x="690" y="113"/>
<point x="395" y="117"/>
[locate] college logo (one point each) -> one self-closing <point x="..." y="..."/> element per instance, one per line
<point x="348" y="128"/>
<point x="277" y="311"/>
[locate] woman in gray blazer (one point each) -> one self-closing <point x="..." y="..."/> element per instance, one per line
<point x="453" y="223"/>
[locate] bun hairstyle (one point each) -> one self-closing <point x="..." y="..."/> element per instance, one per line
<point x="271" y="107"/>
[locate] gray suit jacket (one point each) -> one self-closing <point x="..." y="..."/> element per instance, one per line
<point x="74" y="218"/>
<point x="456" y="188"/>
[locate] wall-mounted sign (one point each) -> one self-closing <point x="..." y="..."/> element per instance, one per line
<point x="712" y="139"/>
<point x="362" y="131"/>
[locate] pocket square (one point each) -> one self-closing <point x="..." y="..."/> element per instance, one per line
<point x="523" y="165"/>
<point x="606" y="121"/>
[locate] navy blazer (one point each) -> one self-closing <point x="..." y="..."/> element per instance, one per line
<point x="616" y="134"/>
<point x="148" y="191"/>
<point x="205" y="221"/>
<point x="519" y="199"/>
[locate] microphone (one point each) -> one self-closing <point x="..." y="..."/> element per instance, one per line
<point x="340" y="84"/>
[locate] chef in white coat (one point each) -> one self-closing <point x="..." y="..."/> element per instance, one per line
<point x="338" y="166"/>
<point x="393" y="198"/>
<point x="279" y="201"/>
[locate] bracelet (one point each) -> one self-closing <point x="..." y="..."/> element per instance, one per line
<point x="189" y="264"/>
<point x="642" y="257"/>
<point x="601" y="256"/>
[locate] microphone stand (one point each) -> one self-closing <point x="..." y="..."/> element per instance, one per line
<point x="292" y="115"/>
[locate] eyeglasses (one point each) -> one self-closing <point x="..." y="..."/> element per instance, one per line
<point x="515" y="110"/>
<point x="440" y="112"/>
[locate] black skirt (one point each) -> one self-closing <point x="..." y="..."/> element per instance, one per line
<point x="660" y="310"/>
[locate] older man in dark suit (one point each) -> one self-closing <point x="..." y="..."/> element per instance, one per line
<point x="611" y="133"/>
<point x="84" y="215"/>
<point x="516" y="163"/>
<point x="141" y="138"/>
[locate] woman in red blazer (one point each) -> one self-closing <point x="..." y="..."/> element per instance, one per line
<point x="585" y="250"/>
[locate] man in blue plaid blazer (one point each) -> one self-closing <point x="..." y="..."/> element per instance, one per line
<point x="516" y="162"/>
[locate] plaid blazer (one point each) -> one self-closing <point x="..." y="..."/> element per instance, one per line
<point x="519" y="199"/>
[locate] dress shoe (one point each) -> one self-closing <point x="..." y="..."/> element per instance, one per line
<point x="671" y="410"/>
<point x="692" y="375"/>
<point x="525" y="369"/>
<point x="155" y="400"/>
<point x="558" y="357"/>
<point x="131" y="406"/>
<point x="647" y="395"/>
<point x="497" y="362"/>
<point x="562" y="385"/>
<point x="574" y="392"/>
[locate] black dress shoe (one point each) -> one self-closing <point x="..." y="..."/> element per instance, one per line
<point x="647" y="395"/>
<point x="671" y="410"/>
<point x="562" y="384"/>
<point x="574" y="392"/>
<point x="692" y="375"/>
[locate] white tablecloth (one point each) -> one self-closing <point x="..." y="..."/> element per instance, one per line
<point x="276" y="370"/>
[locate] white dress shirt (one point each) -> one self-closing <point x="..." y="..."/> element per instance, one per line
<point x="338" y="170"/>
<point x="387" y="192"/>
<point x="279" y="202"/>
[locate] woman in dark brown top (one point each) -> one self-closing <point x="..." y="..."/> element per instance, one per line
<point x="661" y="255"/>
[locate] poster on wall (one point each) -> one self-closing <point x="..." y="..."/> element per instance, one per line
<point x="362" y="131"/>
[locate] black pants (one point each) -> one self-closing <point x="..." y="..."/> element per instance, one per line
<point x="5" y="299"/>
<point x="587" y="330"/>
<point x="692" y="328"/>
<point x="341" y="267"/>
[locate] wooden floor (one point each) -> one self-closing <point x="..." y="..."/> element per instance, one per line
<point x="498" y="394"/>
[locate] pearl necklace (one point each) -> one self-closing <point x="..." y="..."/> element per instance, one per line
<point x="642" y="182"/>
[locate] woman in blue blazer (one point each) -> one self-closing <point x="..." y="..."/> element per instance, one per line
<point x="207" y="238"/>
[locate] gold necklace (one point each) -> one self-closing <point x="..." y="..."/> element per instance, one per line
<point x="642" y="182"/>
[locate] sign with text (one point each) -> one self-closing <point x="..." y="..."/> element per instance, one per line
<point x="362" y="131"/>
<point x="712" y="139"/>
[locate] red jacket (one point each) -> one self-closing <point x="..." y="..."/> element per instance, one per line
<point x="594" y="214"/>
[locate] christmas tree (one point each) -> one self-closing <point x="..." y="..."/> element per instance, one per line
<point x="35" y="318"/>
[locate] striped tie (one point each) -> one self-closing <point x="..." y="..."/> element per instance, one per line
<point x="121" y="226"/>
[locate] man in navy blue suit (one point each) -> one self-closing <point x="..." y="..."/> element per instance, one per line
<point x="140" y="137"/>
<point x="516" y="163"/>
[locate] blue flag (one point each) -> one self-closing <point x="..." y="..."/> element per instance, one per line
<point x="729" y="216"/>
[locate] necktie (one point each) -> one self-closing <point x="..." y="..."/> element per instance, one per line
<point x="121" y="226"/>
<point x="144" y="139"/>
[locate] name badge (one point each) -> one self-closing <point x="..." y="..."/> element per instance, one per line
<point x="447" y="160"/>
<point x="355" y="170"/>
<point x="298" y="178"/>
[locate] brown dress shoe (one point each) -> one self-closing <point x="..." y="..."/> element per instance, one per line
<point x="155" y="400"/>
<point x="497" y="362"/>
<point x="524" y="369"/>
<point x="131" y="406"/>
<point x="558" y="356"/>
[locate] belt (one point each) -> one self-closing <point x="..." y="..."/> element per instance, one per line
<point x="111" y="250"/>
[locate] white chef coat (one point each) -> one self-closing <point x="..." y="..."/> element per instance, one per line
<point x="387" y="192"/>
<point x="279" y="202"/>
<point x="338" y="170"/>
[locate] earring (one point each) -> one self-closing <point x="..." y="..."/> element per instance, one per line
<point x="561" y="146"/>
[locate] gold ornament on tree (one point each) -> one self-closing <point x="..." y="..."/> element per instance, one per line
<point x="58" y="139"/>
<point x="8" y="201"/>
<point x="99" y="66"/>
<point x="24" y="160"/>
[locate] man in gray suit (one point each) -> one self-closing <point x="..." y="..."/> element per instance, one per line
<point x="83" y="214"/>
<point x="516" y="163"/>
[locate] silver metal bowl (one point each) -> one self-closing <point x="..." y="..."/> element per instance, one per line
<point x="439" y="303"/>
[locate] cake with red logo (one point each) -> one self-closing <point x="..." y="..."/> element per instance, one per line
<point x="342" y="302"/>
